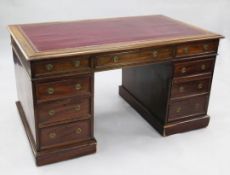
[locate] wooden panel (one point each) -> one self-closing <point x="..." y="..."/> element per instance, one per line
<point x="196" y="48"/>
<point x="63" y="110"/>
<point x="190" y="86"/>
<point x="189" y="107"/>
<point x="61" y="66"/>
<point x="150" y="85"/>
<point x="18" y="53"/>
<point x="194" y="67"/>
<point x="188" y="125"/>
<point x="25" y="93"/>
<point x="65" y="134"/>
<point x="117" y="59"/>
<point x="66" y="152"/>
<point x="63" y="88"/>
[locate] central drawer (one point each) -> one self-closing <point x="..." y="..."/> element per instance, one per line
<point x="63" y="110"/>
<point x="65" y="134"/>
<point x="117" y="59"/>
<point x="63" y="88"/>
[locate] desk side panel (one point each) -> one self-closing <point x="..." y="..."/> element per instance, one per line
<point x="150" y="85"/>
<point x="25" y="92"/>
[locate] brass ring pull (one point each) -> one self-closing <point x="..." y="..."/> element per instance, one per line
<point x="77" y="63"/>
<point x="78" y="108"/>
<point x="155" y="53"/>
<point x="203" y="67"/>
<point x="183" y="70"/>
<point x="78" y="86"/>
<point x="51" y="112"/>
<point x="115" y="59"/>
<point x="52" y="135"/>
<point x="200" y="86"/>
<point x="178" y="109"/>
<point x="78" y="131"/>
<point x="50" y="90"/>
<point x="186" y="50"/>
<point x="205" y="47"/>
<point x="49" y="67"/>
<point x="181" y="89"/>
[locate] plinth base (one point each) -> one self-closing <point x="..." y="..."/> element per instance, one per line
<point x="164" y="129"/>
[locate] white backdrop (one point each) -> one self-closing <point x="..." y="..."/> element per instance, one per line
<point x="126" y="143"/>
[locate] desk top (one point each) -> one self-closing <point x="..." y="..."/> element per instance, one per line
<point x="48" y="40"/>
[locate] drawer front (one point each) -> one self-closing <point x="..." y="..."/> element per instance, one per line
<point x="61" y="110"/>
<point x="61" y="66"/>
<point x="194" y="67"/>
<point x="196" y="48"/>
<point x="184" y="87"/>
<point x="132" y="57"/>
<point x="188" y="107"/>
<point x="65" y="134"/>
<point x="63" y="88"/>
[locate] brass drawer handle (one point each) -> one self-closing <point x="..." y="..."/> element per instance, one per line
<point x="49" y="67"/>
<point x="178" y="109"/>
<point x="181" y="89"/>
<point x="200" y="86"/>
<point x="50" y="90"/>
<point x="77" y="63"/>
<point x="203" y="67"/>
<point x="78" y="108"/>
<point x="78" y="86"/>
<point x="183" y="70"/>
<point x="78" y="131"/>
<point x="155" y="53"/>
<point x="115" y="59"/>
<point x="205" y="47"/>
<point x="51" y="112"/>
<point x="52" y="135"/>
<point x="186" y="50"/>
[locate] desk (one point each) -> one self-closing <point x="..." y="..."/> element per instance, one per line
<point x="167" y="68"/>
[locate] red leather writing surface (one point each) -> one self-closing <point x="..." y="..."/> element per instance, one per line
<point x="53" y="36"/>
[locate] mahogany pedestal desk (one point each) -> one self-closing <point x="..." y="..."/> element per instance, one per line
<point x="167" y="68"/>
